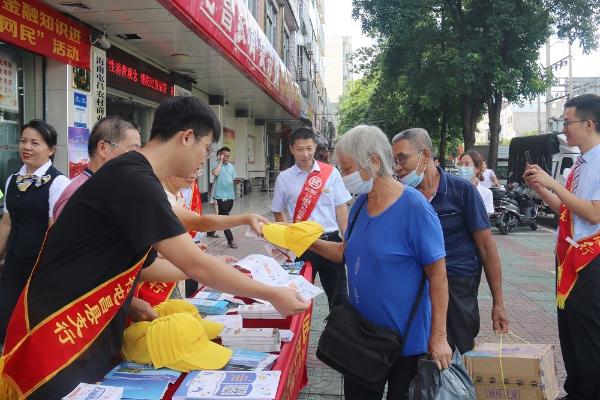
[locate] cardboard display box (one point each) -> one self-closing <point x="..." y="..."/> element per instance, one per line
<point x="528" y="371"/>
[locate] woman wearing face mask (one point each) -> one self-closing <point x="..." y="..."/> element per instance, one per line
<point x="30" y="197"/>
<point x="470" y="167"/>
<point x="393" y="245"/>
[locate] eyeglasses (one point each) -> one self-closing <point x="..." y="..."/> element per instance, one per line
<point x="401" y="159"/>
<point x="566" y="122"/>
<point x="209" y="150"/>
<point x="127" y="149"/>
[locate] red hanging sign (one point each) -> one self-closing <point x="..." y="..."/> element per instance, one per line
<point x="34" y="26"/>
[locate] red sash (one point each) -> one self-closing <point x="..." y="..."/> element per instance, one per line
<point x="32" y="357"/>
<point x="195" y="203"/>
<point x="154" y="292"/>
<point x="311" y="191"/>
<point x="572" y="256"/>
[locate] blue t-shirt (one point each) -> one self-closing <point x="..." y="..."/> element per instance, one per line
<point x="461" y="212"/>
<point x="224" y="183"/>
<point x="385" y="256"/>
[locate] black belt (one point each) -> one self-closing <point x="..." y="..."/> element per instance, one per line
<point x="329" y="236"/>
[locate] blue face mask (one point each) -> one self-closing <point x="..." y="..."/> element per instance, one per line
<point x="413" y="179"/>
<point x="466" y="172"/>
<point x="355" y="184"/>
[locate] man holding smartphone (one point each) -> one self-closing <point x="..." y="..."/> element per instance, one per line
<point x="225" y="174"/>
<point x="578" y="244"/>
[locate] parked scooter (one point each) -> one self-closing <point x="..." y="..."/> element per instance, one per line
<point x="513" y="208"/>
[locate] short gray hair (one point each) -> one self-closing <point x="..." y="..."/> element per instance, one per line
<point x="418" y="138"/>
<point x="364" y="141"/>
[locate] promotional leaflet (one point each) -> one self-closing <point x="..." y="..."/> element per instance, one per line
<point x="214" y="385"/>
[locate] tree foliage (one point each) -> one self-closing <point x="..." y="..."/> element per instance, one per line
<point x="446" y="62"/>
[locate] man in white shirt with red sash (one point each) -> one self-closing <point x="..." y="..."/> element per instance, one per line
<point x="577" y="247"/>
<point x="68" y="324"/>
<point x="313" y="190"/>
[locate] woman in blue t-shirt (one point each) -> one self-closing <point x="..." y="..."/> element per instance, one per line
<point x="395" y="239"/>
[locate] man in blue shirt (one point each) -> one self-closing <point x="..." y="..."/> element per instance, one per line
<point x="225" y="175"/>
<point x="467" y="236"/>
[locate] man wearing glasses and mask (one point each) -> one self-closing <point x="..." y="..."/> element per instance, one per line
<point x="467" y="236"/>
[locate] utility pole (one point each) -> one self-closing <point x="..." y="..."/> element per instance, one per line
<point x="549" y="90"/>
<point x="570" y="88"/>
<point x="539" y="114"/>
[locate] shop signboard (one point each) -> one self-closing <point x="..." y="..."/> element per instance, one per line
<point x="132" y="75"/>
<point x="80" y="105"/>
<point x="229" y="27"/>
<point x="98" y="84"/>
<point x="9" y="99"/>
<point x="34" y="26"/>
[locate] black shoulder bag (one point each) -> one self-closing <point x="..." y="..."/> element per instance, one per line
<point x="357" y="348"/>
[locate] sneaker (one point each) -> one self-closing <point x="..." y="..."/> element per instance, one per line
<point x="233" y="244"/>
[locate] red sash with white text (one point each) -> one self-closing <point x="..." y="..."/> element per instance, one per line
<point x="154" y="292"/>
<point x="311" y="191"/>
<point x="572" y="256"/>
<point x="33" y="357"/>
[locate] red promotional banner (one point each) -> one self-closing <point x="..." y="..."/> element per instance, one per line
<point x="34" y="26"/>
<point x="230" y="28"/>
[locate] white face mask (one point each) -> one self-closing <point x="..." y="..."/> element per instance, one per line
<point x="355" y="184"/>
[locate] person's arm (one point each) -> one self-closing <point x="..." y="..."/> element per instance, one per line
<point x="586" y="209"/>
<point x="162" y="270"/>
<point x="494" y="179"/>
<point x="202" y="267"/>
<point x="341" y="216"/>
<point x="217" y="170"/>
<point x="208" y="223"/>
<point x="493" y="274"/>
<point x="5" y="226"/>
<point x="141" y="310"/>
<point x="547" y="196"/>
<point x="439" y="350"/>
<point x="333" y="251"/>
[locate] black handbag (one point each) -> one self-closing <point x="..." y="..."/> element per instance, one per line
<point x="360" y="350"/>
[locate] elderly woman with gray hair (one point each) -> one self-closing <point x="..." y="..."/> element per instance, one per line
<point x="395" y="242"/>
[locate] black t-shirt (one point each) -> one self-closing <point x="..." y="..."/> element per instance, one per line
<point x="107" y="226"/>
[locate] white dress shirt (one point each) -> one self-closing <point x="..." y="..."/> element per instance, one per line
<point x="291" y="181"/>
<point x="56" y="187"/>
<point x="487" y="196"/>
<point x="588" y="188"/>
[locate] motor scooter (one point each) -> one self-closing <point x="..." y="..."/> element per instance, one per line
<point x="513" y="208"/>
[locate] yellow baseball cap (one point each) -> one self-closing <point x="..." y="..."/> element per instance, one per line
<point x="179" y="341"/>
<point x="172" y="306"/>
<point x="134" y="346"/>
<point x="297" y="237"/>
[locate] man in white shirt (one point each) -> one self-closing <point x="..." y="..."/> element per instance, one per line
<point x="577" y="247"/>
<point x="312" y="190"/>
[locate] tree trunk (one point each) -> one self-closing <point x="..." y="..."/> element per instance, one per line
<point x="443" y="139"/>
<point x="470" y="115"/>
<point x="494" y="111"/>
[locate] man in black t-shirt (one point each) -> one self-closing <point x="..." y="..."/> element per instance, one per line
<point x="126" y="212"/>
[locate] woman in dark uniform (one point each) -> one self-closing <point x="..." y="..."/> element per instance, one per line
<point x="30" y="197"/>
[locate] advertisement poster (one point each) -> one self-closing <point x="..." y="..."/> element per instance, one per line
<point x="80" y="103"/>
<point x="229" y="141"/>
<point x="8" y="83"/>
<point x="78" y="153"/>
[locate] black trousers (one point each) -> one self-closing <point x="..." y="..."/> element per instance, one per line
<point x="12" y="282"/>
<point x="225" y="207"/>
<point x="398" y="382"/>
<point x="333" y="275"/>
<point x="579" y="333"/>
<point x="462" y="322"/>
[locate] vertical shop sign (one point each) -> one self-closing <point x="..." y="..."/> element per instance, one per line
<point x="79" y="159"/>
<point x="9" y="99"/>
<point x="80" y="104"/>
<point x="34" y="26"/>
<point x="98" y="84"/>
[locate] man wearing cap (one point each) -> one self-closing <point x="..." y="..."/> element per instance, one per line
<point x="313" y="190"/>
<point x="68" y="324"/>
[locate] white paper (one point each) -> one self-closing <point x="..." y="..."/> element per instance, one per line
<point x="286" y="335"/>
<point x="305" y="289"/>
<point x="230" y="321"/>
<point x="280" y="254"/>
<point x="264" y="269"/>
<point x="85" y="391"/>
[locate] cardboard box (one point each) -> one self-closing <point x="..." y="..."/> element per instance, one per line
<point x="528" y="371"/>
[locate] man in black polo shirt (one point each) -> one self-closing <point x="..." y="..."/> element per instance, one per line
<point x="126" y="213"/>
<point x="467" y="236"/>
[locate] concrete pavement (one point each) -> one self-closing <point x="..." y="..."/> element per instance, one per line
<point x="528" y="280"/>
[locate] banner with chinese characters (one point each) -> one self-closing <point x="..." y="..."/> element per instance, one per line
<point x="98" y="84"/>
<point x="34" y="26"/>
<point x="229" y="27"/>
<point x="9" y="99"/>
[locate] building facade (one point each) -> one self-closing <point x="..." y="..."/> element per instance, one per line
<point x="71" y="63"/>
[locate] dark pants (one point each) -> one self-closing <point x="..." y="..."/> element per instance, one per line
<point x="579" y="333"/>
<point x="12" y="282"/>
<point x="225" y="207"/>
<point x="333" y="275"/>
<point x="462" y="322"/>
<point x="398" y="382"/>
